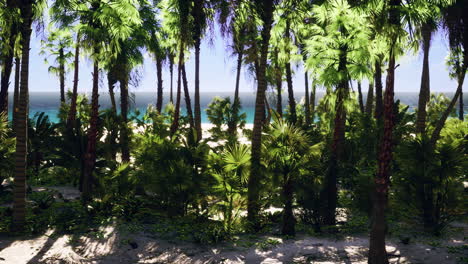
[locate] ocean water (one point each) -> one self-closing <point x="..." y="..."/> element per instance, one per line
<point x="49" y="102"/>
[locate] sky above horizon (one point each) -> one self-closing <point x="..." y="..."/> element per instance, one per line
<point x="217" y="71"/>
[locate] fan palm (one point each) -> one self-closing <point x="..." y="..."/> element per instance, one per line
<point x="338" y="50"/>
<point x="57" y="45"/>
<point x="287" y="146"/>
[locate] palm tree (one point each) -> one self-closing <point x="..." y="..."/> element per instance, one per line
<point x="287" y="147"/>
<point x="57" y="45"/>
<point x="264" y="9"/>
<point x="338" y="51"/>
<point x="9" y="35"/>
<point x="19" y="192"/>
<point x="455" y="21"/>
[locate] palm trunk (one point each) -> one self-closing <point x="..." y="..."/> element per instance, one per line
<point x="175" y="121"/>
<point x="268" y="113"/>
<point x="307" y="100"/>
<point x="292" y="101"/>
<point x="188" y="102"/>
<point x="159" y="100"/>
<point x="279" y="90"/>
<point x="16" y="92"/>
<point x="330" y="188"/>
<point x="441" y="122"/>
<point x="378" y="90"/>
<point x="253" y="204"/>
<point x="232" y="126"/>
<point x="124" y="139"/>
<point x="370" y="99"/>
<point x="111" y="81"/>
<point x="62" y="75"/>
<point x="171" y="69"/>
<point x="19" y="189"/>
<point x="6" y="73"/>
<point x="312" y="101"/>
<point x="377" y="250"/>
<point x="424" y="92"/>
<point x="197" y="90"/>
<point x="289" y="222"/>
<point x="461" y="115"/>
<point x="90" y="155"/>
<point x="72" y="113"/>
<point x="361" y="101"/>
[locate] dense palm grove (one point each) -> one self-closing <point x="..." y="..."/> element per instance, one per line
<point x="369" y="158"/>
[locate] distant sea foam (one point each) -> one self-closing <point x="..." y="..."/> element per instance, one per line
<point x="49" y="102"/>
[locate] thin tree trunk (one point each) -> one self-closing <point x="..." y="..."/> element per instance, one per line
<point x="378" y="90"/>
<point x="6" y="73"/>
<point x="159" y="100"/>
<point x="307" y="100"/>
<point x="289" y="222"/>
<point x="16" y="92"/>
<point x="171" y="69"/>
<point x="461" y="115"/>
<point x="292" y="101"/>
<point x="72" y="113"/>
<point x="188" y="102"/>
<point x="19" y="189"/>
<point x="253" y="203"/>
<point x="268" y="112"/>
<point x="197" y="90"/>
<point x="441" y="122"/>
<point x="62" y="75"/>
<point x="370" y="99"/>
<point x="312" y="101"/>
<point x="175" y="121"/>
<point x="124" y="138"/>
<point x="232" y="126"/>
<point x="424" y="92"/>
<point x="377" y="250"/>
<point x="361" y="101"/>
<point x="90" y="156"/>
<point x="111" y="81"/>
<point x="279" y="90"/>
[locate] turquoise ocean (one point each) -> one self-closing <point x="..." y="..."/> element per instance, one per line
<point x="49" y="102"/>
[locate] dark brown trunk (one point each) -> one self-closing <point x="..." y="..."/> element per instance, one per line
<point x="361" y="101"/>
<point x="6" y="73"/>
<point x="461" y="115"/>
<point x="16" y="92"/>
<point x="111" y="81"/>
<point x="72" y="113"/>
<point x="424" y="92"/>
<point x="175" y="121"/>
<point x="312" y="101"/>
<point x="289" y="222"/>
<point x="232" y="126"/>
<point x="378" y="90"/>
<point x="62" y="75"/>
<point x="307" y="100"/>
<point x="370" y="99"/>
<point x="253" y="204"/>
<point x="124" y="138"/>
<point x="330" y="189"/>
<point x="197" y="89"/>
<point x="19" y="183"/>
<point x="159" y="69"/>
<point x="188" y="102"/>
<point x="90" y="155"/>
<point x="291" y="100"/>
<point x="279" y="91"/>
<point x="267" y="112"/>
<point x="171" y="69"/>
<point x="377" y="250"/>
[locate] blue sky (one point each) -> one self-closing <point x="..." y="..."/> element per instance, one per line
<point x="218" y="71"/>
